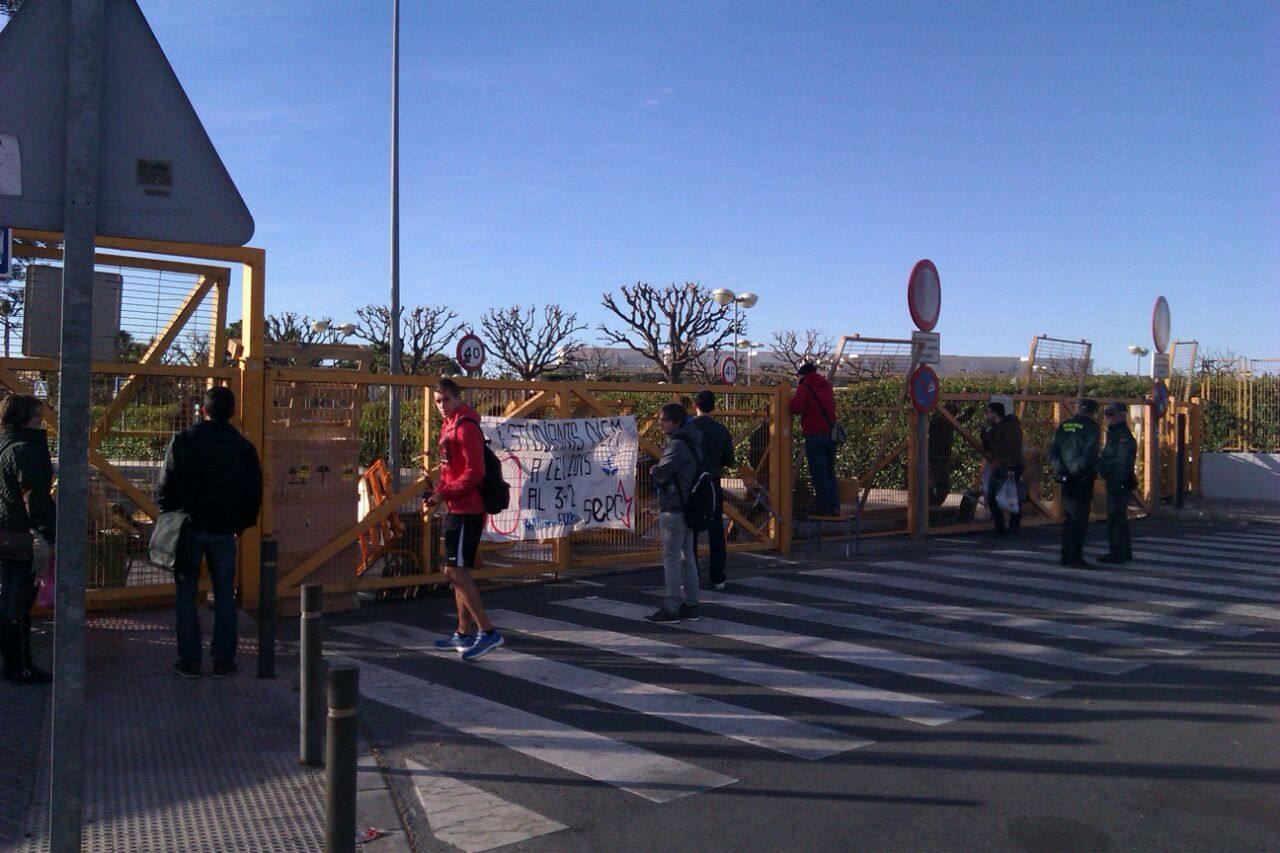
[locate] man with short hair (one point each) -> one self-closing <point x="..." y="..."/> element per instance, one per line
<point x="717" y="455"/>
<point x="1074" y="457"/>
<point x="461" y="473"/>
<point x="1116" y="465"/>
<point x="1002" y="442"/>
<point x="815" y="403"/>
<point x="674" y="476"/>
<point x="212" y="473"/>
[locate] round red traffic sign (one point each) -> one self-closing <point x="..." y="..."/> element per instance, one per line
<point x="729" y="370"/>
<point x="470" y="354"/>
<point x="1160" y="398"/>
<point x="1160" y="325"/>
<point x="924" y="295"/>
<point x="924" y="389"/>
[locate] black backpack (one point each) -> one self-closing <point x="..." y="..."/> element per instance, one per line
<point x="495" y="492"/>
<point x="701" y="504"/>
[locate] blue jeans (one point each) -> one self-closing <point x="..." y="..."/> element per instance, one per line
<point x="679" y="561"/>
<point x="820" y="450"/>
<point x="219" y="552"/>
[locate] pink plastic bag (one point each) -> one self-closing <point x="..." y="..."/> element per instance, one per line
<point x="44" y="597"/>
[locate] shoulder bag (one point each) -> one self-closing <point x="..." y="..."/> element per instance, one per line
<point x="838" y="435"/>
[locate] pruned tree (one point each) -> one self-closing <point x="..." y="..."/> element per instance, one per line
<point x="424" y="331"/>
<point x="673" y="326"/>
<point x="294" y="328"/>
<point x="530" y="345"/>
<point x="13" y="300"/>
<point x="792" y="349"/>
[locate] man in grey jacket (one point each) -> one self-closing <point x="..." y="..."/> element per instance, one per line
<point x="673" y="478"/>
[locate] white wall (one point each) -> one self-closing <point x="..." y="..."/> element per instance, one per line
<point x="1243" y="476"/>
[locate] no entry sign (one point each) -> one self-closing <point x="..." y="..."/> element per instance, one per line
<point x="471" y="353"/>
<point x="1160" y="325"/>
<point x="924" y="295"/>
<point x="924" y="389"/>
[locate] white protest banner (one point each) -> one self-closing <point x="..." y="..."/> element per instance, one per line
<point x="565" y="475"/>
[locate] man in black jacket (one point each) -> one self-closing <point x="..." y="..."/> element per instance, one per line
<point x="1074" y="457"/>
<point x="211" y="472"/>
<point x="717" y="455"/>
<point x="1116" y="466"/>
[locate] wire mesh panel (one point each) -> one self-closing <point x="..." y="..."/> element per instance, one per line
<point x="1182" y="369"/>
<point x="860" y="359"/>
<point x="1057" y="359"/>
<point x="1264" y="405"/>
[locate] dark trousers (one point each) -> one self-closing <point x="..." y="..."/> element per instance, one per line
<point x="820" y="451"/>
<point x="715" y="544"/>
<point x="1118" y="524"/>
<point x="998" y="478"/>
<point x="219" y="553"/>
<point x="17" y="594"/>
<point x="1077" y="495"/>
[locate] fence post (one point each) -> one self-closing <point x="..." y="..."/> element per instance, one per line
<point x="781" y="474"/>
<point x="1180" y="451"/>
<point x="311" y="688"/>
<point x="1152" y="430"/>
<point x="340" y="761"/>
<point x="267" y="608"/>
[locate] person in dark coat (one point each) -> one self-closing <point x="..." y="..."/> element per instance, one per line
<point x="1002" y="442"/>
<point x="717" y="454"/>
<point x="26" y="505"/>
<point x="1116" y="466"/>
<point x="815" y="403"/>
<point x="673" y="479"/>
<point x="212" y="473"/>
<point x="1074" y="458"/>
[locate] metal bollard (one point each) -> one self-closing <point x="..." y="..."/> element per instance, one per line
<point x="311" y="682"/>
<point x="267" y="609"/>
<point x="340" y="761"/>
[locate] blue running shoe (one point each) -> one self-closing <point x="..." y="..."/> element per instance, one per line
<point x="486" y="641"/>
<point x="456" y="642"/>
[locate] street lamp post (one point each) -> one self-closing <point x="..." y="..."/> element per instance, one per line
<point x="1139" y="352"/>
<point x="750" y="347"/>
<point x="724" y="296"/>
<point x="393" y="437"/>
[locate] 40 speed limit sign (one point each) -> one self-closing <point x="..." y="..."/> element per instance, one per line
<point x="471" y="353"/>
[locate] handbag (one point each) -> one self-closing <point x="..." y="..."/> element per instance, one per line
<point x="166" y="538"/>
<point x="838" y="435"/>
<point x="16" y="546"/>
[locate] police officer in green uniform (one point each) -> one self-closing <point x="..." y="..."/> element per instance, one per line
<point x="1116" y="467"/>
<point x="1074" y="457"/>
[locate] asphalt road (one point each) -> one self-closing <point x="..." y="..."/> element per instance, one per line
<point x="964" y="694"/>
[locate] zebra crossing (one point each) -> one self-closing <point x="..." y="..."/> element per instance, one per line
<point x="861" y="647"/>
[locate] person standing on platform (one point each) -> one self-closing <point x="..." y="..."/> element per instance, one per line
<point x="1074" y="457"/>
<point x="717" y="455"/>
<point x="815" y="403"/>
<point x="1116" y="465"/>
<point x="1002" y="442"/>
<point x="26" y="477"/>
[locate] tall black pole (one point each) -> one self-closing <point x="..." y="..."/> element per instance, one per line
<point x="75" y="377"/>
<point x="394" y="320"/>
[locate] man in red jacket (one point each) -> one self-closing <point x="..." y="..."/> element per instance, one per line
<point x="461" y="473"/>
<point x="815" y="403"/>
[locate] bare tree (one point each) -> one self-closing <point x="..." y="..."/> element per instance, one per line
<point x="424" y="331"/>
<point x="291" y="327"/>
<point x="672" y="327"/>
<point x="12" y="302"/>
<point x="527" y="345"/>
<point x="792" y="349"/>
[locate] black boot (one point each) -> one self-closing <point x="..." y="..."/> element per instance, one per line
<point x="23" y="671"/>
<point x="10" y="648"/>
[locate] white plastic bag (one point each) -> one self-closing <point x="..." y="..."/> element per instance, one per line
<point x="1007" y="497"/>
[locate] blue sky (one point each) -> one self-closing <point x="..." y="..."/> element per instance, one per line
<point x="1062" y="163"/>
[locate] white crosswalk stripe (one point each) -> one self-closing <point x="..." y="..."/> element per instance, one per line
<point x="989" y="617"/>
<point x="1048" y="564"/>
<point x="471" y="819"/>
<point x="1060" y="605"/>
<point x="1066" y="658"/>
<point x="638" y="771"/>
<point x="1207" y="560"/>
<point x="1184" y="566"/>
<point x="1117" y="593"/>
<point x="1246" y="550"/>
<point x="1236" y="538"/>
<point x="925" y="711"/>
<point x="754" y="727"/>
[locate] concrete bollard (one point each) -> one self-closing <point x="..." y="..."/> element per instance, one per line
<point x="340" y="761"/>
<point x="267" y="609"/>
<point x="311" y="704"/>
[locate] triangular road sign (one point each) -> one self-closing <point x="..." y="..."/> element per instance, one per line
<point x="160" y="177"/>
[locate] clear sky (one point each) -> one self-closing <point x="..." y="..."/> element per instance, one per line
<point x="1062" y="163"/>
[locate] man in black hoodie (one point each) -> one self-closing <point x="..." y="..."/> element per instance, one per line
<point x="212" y="473"/>
<point x="717" y="453"/>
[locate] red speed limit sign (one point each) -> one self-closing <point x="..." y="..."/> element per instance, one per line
<point x="470" y="354"/>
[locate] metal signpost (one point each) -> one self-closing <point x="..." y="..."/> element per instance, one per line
<point x="6" y="252"/>
<point x="924" y="301"/>
<point x="112" y="146"/>
<point x="470" y="354"/>
<point x="393" y="324"/>
<point x="1161" y="327"/>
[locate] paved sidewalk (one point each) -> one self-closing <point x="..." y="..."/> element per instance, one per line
<point x="177" y="764"/>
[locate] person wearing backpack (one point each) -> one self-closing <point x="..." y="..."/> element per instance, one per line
<point x="717" y="455"/>
<point x="815" y="403"/>
<point x="674" y="477"/>
<point x="462" y="475"/>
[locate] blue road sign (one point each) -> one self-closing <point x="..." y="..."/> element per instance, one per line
<point x="924" y="389"/>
